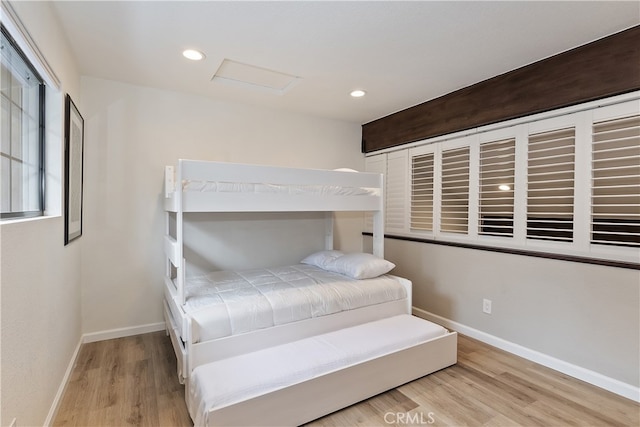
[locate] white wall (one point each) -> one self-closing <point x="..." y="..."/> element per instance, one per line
<point x="39" y="276"/>
<point x="132" y="132"/>
<point x="582" y="314"/>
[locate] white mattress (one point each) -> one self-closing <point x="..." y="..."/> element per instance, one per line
<point x="226" y="303"/>
<point x="243" y="377"/>
<point x="249" y="187"/>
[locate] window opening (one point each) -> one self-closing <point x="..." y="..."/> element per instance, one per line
<point x="22" y="95"/>
<point x="497" y="175"/>
<point x="422" y="169"/>
<point x="454" y="212"/>
<point x="550" y="179"/>
<point x="615" y="189"/>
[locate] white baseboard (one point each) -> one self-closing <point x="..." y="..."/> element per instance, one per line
<point x="122" y="332"/>
<point x="63" y="386"/>
<point x="615" y="386"/>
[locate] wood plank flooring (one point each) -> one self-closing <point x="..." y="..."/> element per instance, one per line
<point x="125" y="382"/>
<point x="132" y="382"/>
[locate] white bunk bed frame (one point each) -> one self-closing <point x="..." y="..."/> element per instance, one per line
<point x="179" y="202"/>
<point x="179" y="325"/>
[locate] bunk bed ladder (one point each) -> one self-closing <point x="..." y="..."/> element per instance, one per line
<point x="180" y="266"/>
<point x="173" y="246"/>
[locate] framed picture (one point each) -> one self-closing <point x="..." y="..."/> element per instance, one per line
<point x="73" y="170"/>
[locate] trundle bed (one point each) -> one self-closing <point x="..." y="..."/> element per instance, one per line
<point x="286" y="345"/>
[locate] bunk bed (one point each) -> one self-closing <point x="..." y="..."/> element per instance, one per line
<point x="212" y="343"/>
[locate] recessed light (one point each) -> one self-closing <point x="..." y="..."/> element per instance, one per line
<point x="358" y="93"/>
<point x="504" y="187"/>
<point x="192" y="54"/>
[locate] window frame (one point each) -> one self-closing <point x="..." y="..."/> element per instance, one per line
<point x="41" y="179"/>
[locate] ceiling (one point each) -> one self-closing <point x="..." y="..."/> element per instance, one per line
<point x="400" y="53"/>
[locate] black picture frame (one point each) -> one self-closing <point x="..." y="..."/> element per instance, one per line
<point x="73" y="170"/>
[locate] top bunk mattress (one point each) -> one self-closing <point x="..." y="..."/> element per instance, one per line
<point x="224" y="303"/>
<point x="204" y="186"/>
<point x="268" y="188"/>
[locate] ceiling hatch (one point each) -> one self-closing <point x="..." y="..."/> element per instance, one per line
<point x="250" y="76"/>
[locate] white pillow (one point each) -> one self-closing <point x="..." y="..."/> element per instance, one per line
<point x="360" y="265"/>
<point x="322" y="258"/>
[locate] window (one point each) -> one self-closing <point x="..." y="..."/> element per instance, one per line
<point x="454" y="216"/>
<point x="615" y="190"/>
<point x="563" y="183"/>
<point x="395" y="187"/>
<point x="22" y="144"/>
<point x="422" y="173"/>
<point x="550" y="179"/>
<point x="376" y="164"/>
<point x="497" y="175"/>
<point x="393" y="167"/>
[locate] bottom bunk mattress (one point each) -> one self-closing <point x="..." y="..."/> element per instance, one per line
<point x="224" y="303"/>
<point x="220" y="385"/>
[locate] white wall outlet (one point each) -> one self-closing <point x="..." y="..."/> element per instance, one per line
<point x="486" y="306"/>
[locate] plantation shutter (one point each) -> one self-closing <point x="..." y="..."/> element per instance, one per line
<point x="375" y="164"/>
<point x="615" y="193"/>
<point x="497" y="172"/>
<point x="454" y="211"/>
<point x="550" y="181"/>
<point x="422" y="174"/>
<point x="395" y="190"/>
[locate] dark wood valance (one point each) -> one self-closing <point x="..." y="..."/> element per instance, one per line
<point x="606" y="67"/>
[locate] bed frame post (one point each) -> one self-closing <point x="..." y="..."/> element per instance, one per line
<point x="328" y="231"/>
<point x="169" y="181"/>
<point x="378" y="223"/>
<point x="168" y="193"/>
<point x="180" y="274"/>
<point x="378" y="234"/>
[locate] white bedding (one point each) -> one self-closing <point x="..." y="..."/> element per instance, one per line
<point x="226" y="303"/>
<point x="239" y="378"/>
<point x="248" y="187"/>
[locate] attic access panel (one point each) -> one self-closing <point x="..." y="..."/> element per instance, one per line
<point x="253" y="77"/>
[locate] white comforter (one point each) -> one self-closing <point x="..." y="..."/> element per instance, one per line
<point x="225" y="303"/>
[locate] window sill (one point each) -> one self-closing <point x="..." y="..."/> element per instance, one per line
<point x="11" y="221"/>
<point x="524" y="252"/>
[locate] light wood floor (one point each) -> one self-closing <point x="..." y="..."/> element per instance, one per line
<point x="132" y="382"/>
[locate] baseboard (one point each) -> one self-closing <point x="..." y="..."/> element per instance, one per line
<point x="63" y="386"/>
<point x="122" y="332"/>
<point x="615" y="386"/>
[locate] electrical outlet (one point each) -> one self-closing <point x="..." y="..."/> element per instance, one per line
<point x="486" y="306"/>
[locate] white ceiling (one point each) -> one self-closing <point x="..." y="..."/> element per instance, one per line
<point x="401" y="53"/>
